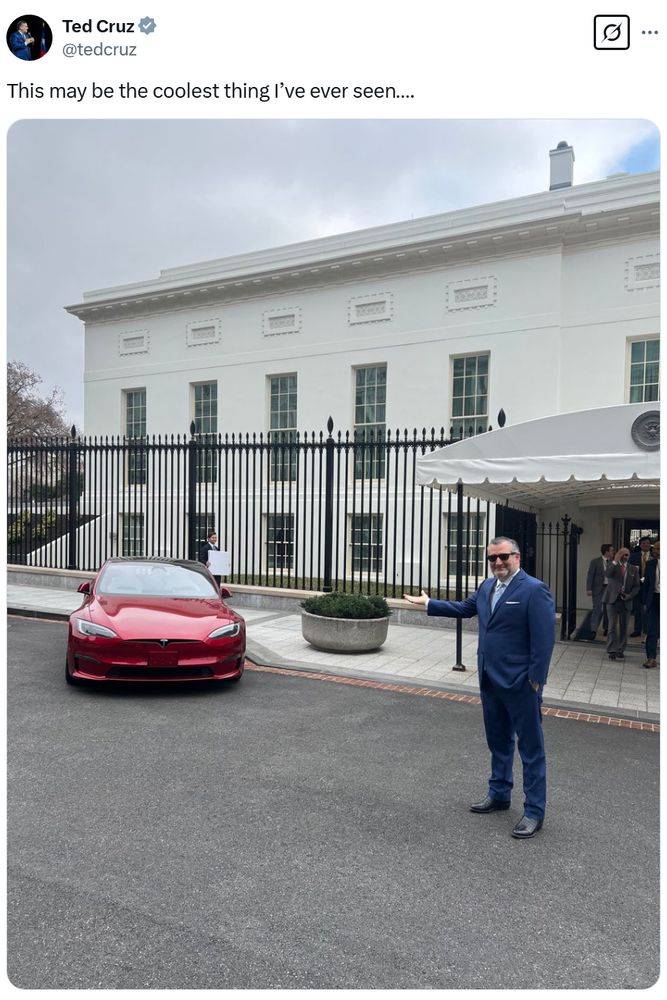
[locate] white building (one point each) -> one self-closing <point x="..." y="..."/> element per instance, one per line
<point x="540" y="305"/>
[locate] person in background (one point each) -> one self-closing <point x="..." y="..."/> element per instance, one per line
<point x="516" y="639"/>
<point x="639" y="557"/>
<point x="211" y="545"/>
<point x="651" y="601"/>
<point x="622" y="588"/>
<point x="596" y="581"/>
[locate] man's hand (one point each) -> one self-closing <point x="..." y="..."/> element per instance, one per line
<point x="589" y="593"/>
<point x="535" y="685"/>
<point x="423" y="599"/>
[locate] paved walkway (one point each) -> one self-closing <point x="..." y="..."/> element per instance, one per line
<point x="581" y="678"/>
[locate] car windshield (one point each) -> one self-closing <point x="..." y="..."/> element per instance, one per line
<point x="155" y="580"/>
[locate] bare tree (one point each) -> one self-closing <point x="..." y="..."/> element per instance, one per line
<point x="30" y="415"/>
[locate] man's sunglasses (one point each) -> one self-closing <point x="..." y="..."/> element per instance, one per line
<point x="503" y="556"/>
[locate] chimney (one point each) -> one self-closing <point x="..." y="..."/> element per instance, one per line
<point x="562" y="164"/>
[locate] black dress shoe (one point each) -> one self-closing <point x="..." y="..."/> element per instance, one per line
<point x="526" y="827"/>
<point x="489" y="805"/>
<point x="633" y="635"/>
<point x="620" y="656"/>
<point x="612" y="656"/>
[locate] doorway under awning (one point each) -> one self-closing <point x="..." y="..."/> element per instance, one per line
<point x="611" y="450"/>
<point x="606" y="454"/>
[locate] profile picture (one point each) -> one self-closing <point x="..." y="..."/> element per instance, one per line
<point x="29" y="37"/>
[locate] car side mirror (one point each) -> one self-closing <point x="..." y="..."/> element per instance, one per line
<point x="225" y="593"/>
<point x="84" y="588"/>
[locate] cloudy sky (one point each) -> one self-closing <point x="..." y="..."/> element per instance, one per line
<point x="99" y="203"/>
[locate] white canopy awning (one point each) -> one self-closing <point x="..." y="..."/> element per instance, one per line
<point x="540" y="463"/>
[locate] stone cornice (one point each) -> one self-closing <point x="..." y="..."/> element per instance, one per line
<point x="620" y="208"/>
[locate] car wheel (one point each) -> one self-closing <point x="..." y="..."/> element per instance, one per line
<point x="68" y="677"/>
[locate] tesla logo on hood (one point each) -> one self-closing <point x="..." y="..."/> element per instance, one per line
<point x="163" y="642"/>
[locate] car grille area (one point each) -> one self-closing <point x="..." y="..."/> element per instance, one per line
<point x="123" y="672"/>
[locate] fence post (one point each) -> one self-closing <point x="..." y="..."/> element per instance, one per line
<point x="73" y="499"/>
<point x="328" y="507"/>
<point x="192" y="493"/>
<point x="459" y="665"/>
<point x="565" y="607"/>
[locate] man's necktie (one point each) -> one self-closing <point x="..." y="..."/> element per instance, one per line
<point x="497" y="594"/>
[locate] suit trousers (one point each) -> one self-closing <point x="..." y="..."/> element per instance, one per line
<point x="510" y="714"/>
<point x="617" y="637"/>
<point x="653" y="628"/>
<point x="640" y="615"/>
<point x="599" y="613"/>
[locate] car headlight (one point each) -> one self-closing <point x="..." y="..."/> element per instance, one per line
<point x="90" y="628"/>
<point x="226" y="632"/>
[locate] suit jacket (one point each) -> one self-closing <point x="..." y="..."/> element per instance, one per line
<point x="204" y="551"/>
<point x="596" y="580"/>
<point x="648" y="587"/>
<point x="18" y="46"/>
<point x="517" y="640"/>
<point x="613" y="590"/>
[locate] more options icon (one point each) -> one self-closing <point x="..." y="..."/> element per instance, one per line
<point x="611" y="31"/>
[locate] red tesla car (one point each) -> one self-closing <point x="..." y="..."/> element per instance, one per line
<point x="154" y="620"/>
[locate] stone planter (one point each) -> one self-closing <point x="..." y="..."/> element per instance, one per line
<point x="344" y="635"/>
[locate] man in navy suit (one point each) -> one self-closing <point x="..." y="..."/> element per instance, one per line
<point x="21" y="40"/>
<point x="516" y="639"/>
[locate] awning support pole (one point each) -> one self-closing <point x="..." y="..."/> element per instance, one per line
<point x="459" y="665"/>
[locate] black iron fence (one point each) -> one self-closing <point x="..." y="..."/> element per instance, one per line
<point x="305" y="511"/>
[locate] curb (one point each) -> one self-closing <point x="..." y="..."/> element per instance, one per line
<point x="263" y="660"/>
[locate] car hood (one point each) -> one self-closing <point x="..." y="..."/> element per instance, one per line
<point x="163" y="618"/>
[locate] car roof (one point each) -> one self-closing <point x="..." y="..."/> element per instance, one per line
<point x="164" y="560"/>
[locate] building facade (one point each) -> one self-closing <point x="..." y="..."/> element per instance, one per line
<point x="541" y="305"/>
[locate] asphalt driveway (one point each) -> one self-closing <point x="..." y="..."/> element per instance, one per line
<point x="290" y="833"/>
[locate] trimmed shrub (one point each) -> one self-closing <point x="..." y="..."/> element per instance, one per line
<point x="338" y="605"/>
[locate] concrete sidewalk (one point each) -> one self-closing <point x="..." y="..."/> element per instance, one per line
<point x="581" y="678"/>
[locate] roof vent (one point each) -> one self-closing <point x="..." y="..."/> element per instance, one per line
<point x="562" y="166"/>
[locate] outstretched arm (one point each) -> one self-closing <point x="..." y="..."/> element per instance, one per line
<point x="445" y="609"/>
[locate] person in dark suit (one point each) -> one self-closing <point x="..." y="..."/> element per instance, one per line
<point x="639" y="557"/>
<point x="622" y="588"/>
<point x="516" y="616"/>
<point x="651" y="601"/>
<point x="211" y="545"/>
<point x="596" y="581"/>
<point x="21" y="40"/>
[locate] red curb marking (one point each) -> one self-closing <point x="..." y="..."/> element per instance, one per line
<point x="469" y="699"/>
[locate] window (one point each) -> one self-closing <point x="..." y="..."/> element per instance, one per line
<point x="644" y="371"/>
<point x="205" y="406"/>
<point x="132" y="526"/>
<point x="474" y="549"/>
<point x="282" y="423"/>
<point x="280" y="541"/>
<point x="367" y="547"/>
<point x="135" y="431"/>
<point x="370" y="406"/>
<point x="470" y="399"/>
